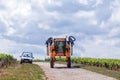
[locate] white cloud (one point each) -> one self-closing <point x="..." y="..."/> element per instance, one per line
<point x="85" y="14"/>
<point x="103" y="25"/>
<point x="98" y="2"/>
<point x="23" y="10"/>
<point x="10" y="31"/>
<point x="16" y="8"/>
<point x="5" y="20"/>
<point x="85" y="2"/>
<point x="53" y="14"/>
<point x="100" y="51"/>
<point x="114" y="32"/>
<point x="90" y="16"/>
<point x="54" y="3"/>
<point x="94" y="3"/>
<point x="115" y="16"/>
<point x="15" y="12"/>
<point x="93" y="21"/>
<point x="115" y="6"/>
<point x="43" y="26"/>
<point x="106" y="41"/>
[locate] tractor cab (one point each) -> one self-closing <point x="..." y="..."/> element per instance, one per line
<point x="60" y="45"/>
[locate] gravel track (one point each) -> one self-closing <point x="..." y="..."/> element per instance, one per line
<point x="61" y="72"/>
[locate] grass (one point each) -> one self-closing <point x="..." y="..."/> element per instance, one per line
<point x="24" y="71"/>
<point x="104" y="71"/>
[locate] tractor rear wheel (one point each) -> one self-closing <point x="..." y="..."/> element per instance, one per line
<point x="69" y="63"/>
<point x="51" y="63"/>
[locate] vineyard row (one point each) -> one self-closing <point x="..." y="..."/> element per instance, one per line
<point x="112" y="64"/>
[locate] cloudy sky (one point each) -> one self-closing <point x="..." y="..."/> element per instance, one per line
<point x="25" y="25"/>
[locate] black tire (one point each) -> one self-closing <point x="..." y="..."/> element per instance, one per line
<point x="69" y="63"/>
<point x="30" y="62"/>
<point x="51" y="63"/>
<point x="20" y="62"/>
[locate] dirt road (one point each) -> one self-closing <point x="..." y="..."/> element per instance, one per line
<point x="60" y="72"/>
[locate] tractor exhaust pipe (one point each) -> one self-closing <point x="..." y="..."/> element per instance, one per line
<point x="47" y="48"/>
<point x="71" y="50"/>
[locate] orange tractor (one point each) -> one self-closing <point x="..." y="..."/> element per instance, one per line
<point x="60" y="47"/>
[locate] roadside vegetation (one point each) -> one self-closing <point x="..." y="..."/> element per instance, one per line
<point x="38" y="60"/>
<point x="104" y="71"/>
<point x="111" y="64"/>
<point x="23" y="71"/>
<point x="11" y="69"/>
<point x="109" y="67"/>
<point x="6" y="60"/>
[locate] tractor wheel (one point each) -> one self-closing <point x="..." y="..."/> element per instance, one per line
<point x="51" y="63"/>
<point x="20" y="62"/>
<point x="69" y="63"/>
<point x="30" y="62"/>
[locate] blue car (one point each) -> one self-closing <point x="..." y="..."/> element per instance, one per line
<point x="26" y="57"/>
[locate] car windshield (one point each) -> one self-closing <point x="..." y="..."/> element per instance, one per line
<point x="27" y="55"/>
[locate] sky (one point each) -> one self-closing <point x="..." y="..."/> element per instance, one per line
<point x="25" y="25"/>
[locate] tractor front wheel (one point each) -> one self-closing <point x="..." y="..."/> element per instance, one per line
<point x="51" y="63"/>
<point x="69" y="63"/>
